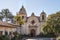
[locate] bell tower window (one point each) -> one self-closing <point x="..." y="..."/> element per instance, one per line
<point x="22" y="17"/>
<point x="42" y="17"/>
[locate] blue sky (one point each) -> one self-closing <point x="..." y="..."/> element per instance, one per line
<point x="36" y="6"/>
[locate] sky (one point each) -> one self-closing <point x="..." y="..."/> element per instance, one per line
<point x="36" y="6"/>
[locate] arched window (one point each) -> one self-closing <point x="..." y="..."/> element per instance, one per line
<point x="6" y="33"/>
<point x="22" y="17"/>
<point x="42" y="17"/>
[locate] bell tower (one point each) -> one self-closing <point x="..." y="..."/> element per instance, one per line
<point x="23" y="14"/>
<point x="43" y="16"/>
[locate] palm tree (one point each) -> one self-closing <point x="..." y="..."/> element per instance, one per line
<point x="19" y="21"/>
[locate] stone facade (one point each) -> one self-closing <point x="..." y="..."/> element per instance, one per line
<point x="33" y="23"/>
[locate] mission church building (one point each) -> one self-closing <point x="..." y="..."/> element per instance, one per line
<point x="32" y="24"/>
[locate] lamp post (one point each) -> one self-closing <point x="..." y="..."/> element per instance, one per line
<point x="20" y="28"/>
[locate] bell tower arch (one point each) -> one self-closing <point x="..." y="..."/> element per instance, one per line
<point x="43" y="16"/>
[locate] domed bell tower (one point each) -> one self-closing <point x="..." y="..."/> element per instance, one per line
<point x="23" y="14"/>
<point x="43" y="16"/>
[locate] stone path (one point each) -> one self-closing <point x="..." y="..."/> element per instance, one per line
<point x="41" y="39"/>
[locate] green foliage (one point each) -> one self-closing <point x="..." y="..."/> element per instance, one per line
<point x="53" y="24"/>
<point x="5" y="13"/>
<point x="4" y="37"/>
<point x="18" y="19"/>
<point x="15" y="36"/>
<point x="46" y="35"/>
<point x="15" y="33"/>
<point x="1" y="16"/>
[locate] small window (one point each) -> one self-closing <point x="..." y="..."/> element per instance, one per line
<point x="22" y="17"/>
<point x="42" y="17"/>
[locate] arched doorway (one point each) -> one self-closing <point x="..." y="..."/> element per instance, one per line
<point x="32" y="32"/>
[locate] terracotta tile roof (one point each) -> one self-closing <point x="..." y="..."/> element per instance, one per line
<point x="7" y="24"/>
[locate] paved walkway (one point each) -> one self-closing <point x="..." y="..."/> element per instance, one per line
<point x="39" y="39"/>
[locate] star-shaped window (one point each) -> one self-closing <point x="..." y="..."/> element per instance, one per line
<point x="32" y="21"/>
